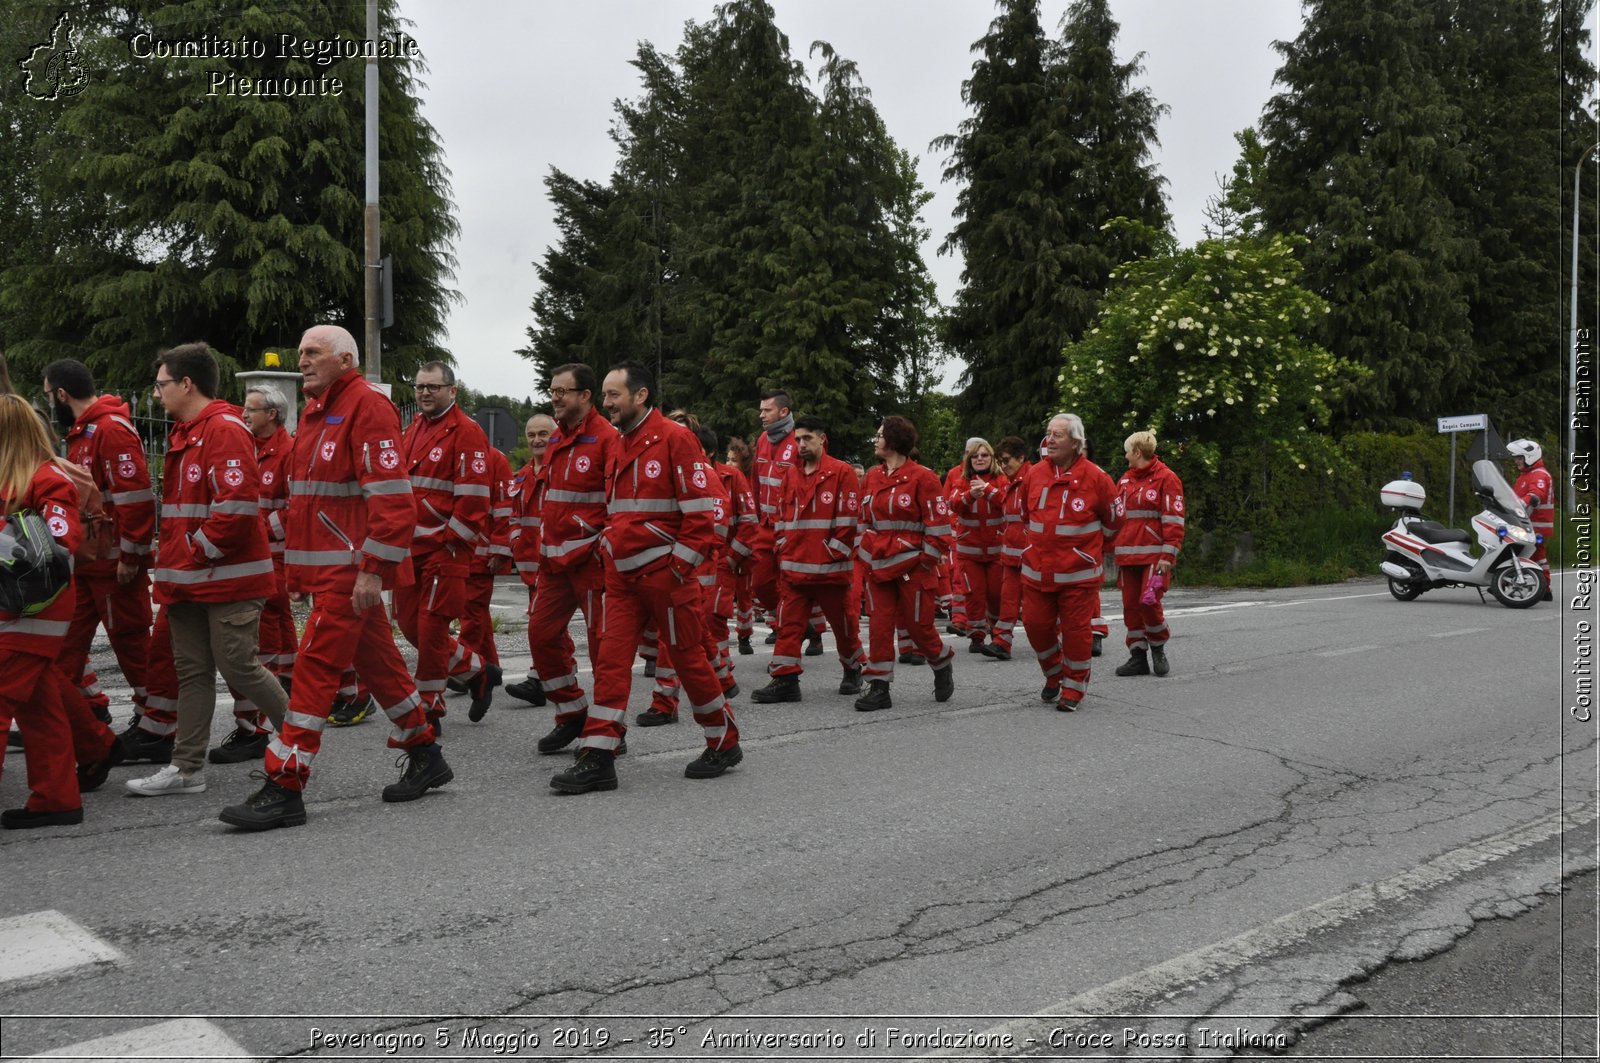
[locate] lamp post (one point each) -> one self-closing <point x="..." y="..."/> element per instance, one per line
<point x="1572" y="336"/>
<point x="370" y="220"/>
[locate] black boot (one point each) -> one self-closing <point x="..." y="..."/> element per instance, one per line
<point x="649" y="667"/>
<point x="561" y="736"/>
<point x="93" y="776"/>
<point x="654" y="717"/>
<point x="482" y="690"/>
<point x="271" y="806"/>
<point x="782" y="688"/>
<point x="1158" y="660"/>
<point x="876" y="697"/>
<point x="1136" y="664"/>
<point x="1099" y="645"/>
<point x="529" y="690"/>
<point x="1051" y="692"/>
<point x="851" y="683"/>
<point x="944" y="682"/>
<point x="976" y="645"/>
<point x="713" y="762"/>
<point x="814" y="646"/>
<point x="141" y="747"/>
<point x="594" y="769"/>
<point x="424" y="768"/>
<point x="27" y="818"/>
<point x="239" y="747"/>
<point x="745" y="649"/>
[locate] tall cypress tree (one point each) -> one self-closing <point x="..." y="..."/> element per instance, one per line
<point x="223" y="215"/>
<point x="1058" y="144"/>
<point x="1365" y="156"/>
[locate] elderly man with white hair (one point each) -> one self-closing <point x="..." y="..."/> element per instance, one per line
<point x="1067" y="509"/>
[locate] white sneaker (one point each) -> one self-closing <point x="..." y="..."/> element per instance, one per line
<point x="169" y="780"/>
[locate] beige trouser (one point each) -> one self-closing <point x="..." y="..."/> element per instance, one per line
<point x="211" y="637"/>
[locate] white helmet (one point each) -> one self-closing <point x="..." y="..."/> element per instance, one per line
<point x="1526" y="449"/>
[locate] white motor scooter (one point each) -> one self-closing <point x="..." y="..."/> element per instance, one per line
<point x="1423" y="555"/>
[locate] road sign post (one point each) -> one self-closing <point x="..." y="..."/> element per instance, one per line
<point x="1471" y="422"/>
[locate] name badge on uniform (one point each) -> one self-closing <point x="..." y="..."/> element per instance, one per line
<point x="338" y="419"/>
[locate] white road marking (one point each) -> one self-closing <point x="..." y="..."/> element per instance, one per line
<point x="44" y="945"/>
<point x="1346" y="650"/>
<point x="1453" y="634"/>
<point x="1195" y="610"/>
<point x="166" y="1042"/>
<point x="1332" y="598"/>
<point x="1139" y="991"/>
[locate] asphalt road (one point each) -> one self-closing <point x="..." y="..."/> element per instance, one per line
<point x="1329" y="784"/>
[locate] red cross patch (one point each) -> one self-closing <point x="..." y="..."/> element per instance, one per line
<point x="233" y="477"/>
<point x="192" y="474"/>
<point x="827" y="498"/>
<point x="699" y="479"/>
<point x="905" y="501"/>
<point x="1077" y="505"/>
<point x="652" y="469"/>
<point x="480" y="466"/>
<point x="389" y="459"/>
<point x="583" y="463"/>
<point x="267" y="477"/>
<point x="436" y="453"/>
<point x="329" y="449"/>
<point x="126" y="470"/>
<point x="58" y="527"/>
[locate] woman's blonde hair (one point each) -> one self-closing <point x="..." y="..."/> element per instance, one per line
<point x="975" y="444"/>
<point x="24" y="446"/>
<point x="1142" y="443"/>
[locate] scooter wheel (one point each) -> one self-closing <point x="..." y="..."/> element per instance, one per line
<point x="1405" y="592"/>
<point x="1517" y="590"/>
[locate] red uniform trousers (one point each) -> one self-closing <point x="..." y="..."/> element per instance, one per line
<point x="1058" y="626"/>
<point x="276" y="639"/>
<point x="800" y="601"/>
<point x="477" y="628"/>
<point x="336" y="635"/>
<point x="124" y="611"/>
<point x="1097" y="623"/>
<point x="952" y="596"/>
<point x="664" y="696"/>
<point x="425" y="610"/>
<point x="906" y="603"/>
<point x="160" y="716"/>
<point x="1146" y="624"/>
<point x="562" y="593"/>
<point x="744" y="611"/>
<point x="762" y="564"/>
<point x="534" y="635"/>
<point x="674" y="607"/>
<point x="31" y="695"/>
<point x="980" y="592"/>
<point x="721" y="603"/>
<point x="1010" y="607"/>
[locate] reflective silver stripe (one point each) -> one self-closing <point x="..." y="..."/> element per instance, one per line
<point x="971" y="551"/>
<point x="386" y="487"/>
<point x="896" y="525"/>
<point x="270" y="504"/>
<point x="684" y="553"/>
<point x="708" y="579"/>
<point x="967" y="522"/>
<point x="466" y="533"/>
<point x="739" y="548"/>
<point x="325" y="488"/>
<point x="432" y="483"/>
<point x="31" y="626"/>
<point x="500" y="512"/>
<point x="471" y="490"/>
<point x="938" y="529"/>
<point x="1172" y="520"/>
<point x="576" y="498"/>
<point x="205" y="546"/>
<point x="527" y="566"/>
<point x="1011" y="551"/>
<point x="305" y="721"/>
<point x="747" y="518"/>
<point x="698" y="505"/>
<point x="642" y="558"/>
<point x="1145" y="514"/>
<point x="601" y="712"/>
<point x="383" y="550"/>
<point x="291" y="755"/>
<point x="128" y="546"/>
<point x="318" y="557"/>
<point x="235" y="506"/>
<point x="1079" y="529"/>
<point x="644" y="505"/>
<point x="806" y="525"/>
<point x="1064" y="577"/>
<point x="887" y="562"/>
<point x="814" y="570"/>
<point x="127" y="498"/>
<point x="563" y="549"/>
<point x="188" y="509"/>
<point x="933" y="550"/>
<point x="770" y="481"/>
<point x="189" y="577"/>
<point x="528" y="522"/>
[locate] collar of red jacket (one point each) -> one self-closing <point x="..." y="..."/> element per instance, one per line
<point x="334" y="390"/>
<point x="102" y="406"/>
<point x="196" y="426"/>
<point x="586" y="427"/>
<point x="1154" y="467"/>
<point x="278" y="440"/>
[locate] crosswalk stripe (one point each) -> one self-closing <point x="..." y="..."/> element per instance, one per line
<point x="174" y="1041"/>
<point x="41" y="946"/>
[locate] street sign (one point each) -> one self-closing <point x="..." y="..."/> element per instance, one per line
<point x="1470" y="422"/>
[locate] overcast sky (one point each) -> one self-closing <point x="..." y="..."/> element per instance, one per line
<point x="517" y="86"/>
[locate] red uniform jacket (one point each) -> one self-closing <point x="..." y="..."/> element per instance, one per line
<point x="524" y="532"/>
<point x="447" y="458"/>
<point x="571" y="490"/>
<point x="1538" y="491"/>
<point x="772" y="464"/>
<point x="496" y="543"/>
<point x="1070" y="515"/>
<point x="104" y="441"/>
<point x="272" y="458"/>
<point x="350" y="504"/>
<point x="745" y="515"/>
<point x="213" y="546"/>
<point x="1150" y="513"/>
<point x="980" y="521"/>
<point x="1014" y="538"/>
<point x="51" y="495"/>
<point x="661" y="504"/>
<point x="905" y="521"/>
<point x="817" y="515"/>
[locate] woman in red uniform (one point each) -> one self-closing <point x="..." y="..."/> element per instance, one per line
<point x="978" y="506"/>
<point x="30" y="642"/>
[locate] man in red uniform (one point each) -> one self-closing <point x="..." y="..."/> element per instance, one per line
<point x="1067" y="509"/>
<point x="571" y="502"/>
<point x="113" y="589"/>
<point x="662" y="527"/>
<point x="351" y="516"/>
<point x="816" y="534"/>
<point x="1537" y="489"/>
<point x="524" y="537"/>
<point x="214" y="569"/>
<point x="775" y="456"/>
<point x="1150" y="517"/>
<point x="266" y="412"/>
<point x="447" y="457"/>
<point x="490" y="557"/>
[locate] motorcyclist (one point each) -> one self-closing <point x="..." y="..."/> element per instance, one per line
<point x="1536" y="489"/>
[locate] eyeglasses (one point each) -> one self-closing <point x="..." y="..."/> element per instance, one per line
<point x="878" y="436"/>
<point x="561" y="393"/>
<point x="430" y="389"/>
<point x="255" y="409"/>
<point x="160" y="384"/>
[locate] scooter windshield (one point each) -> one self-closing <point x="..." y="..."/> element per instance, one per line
<point x="1491" y="486"/>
